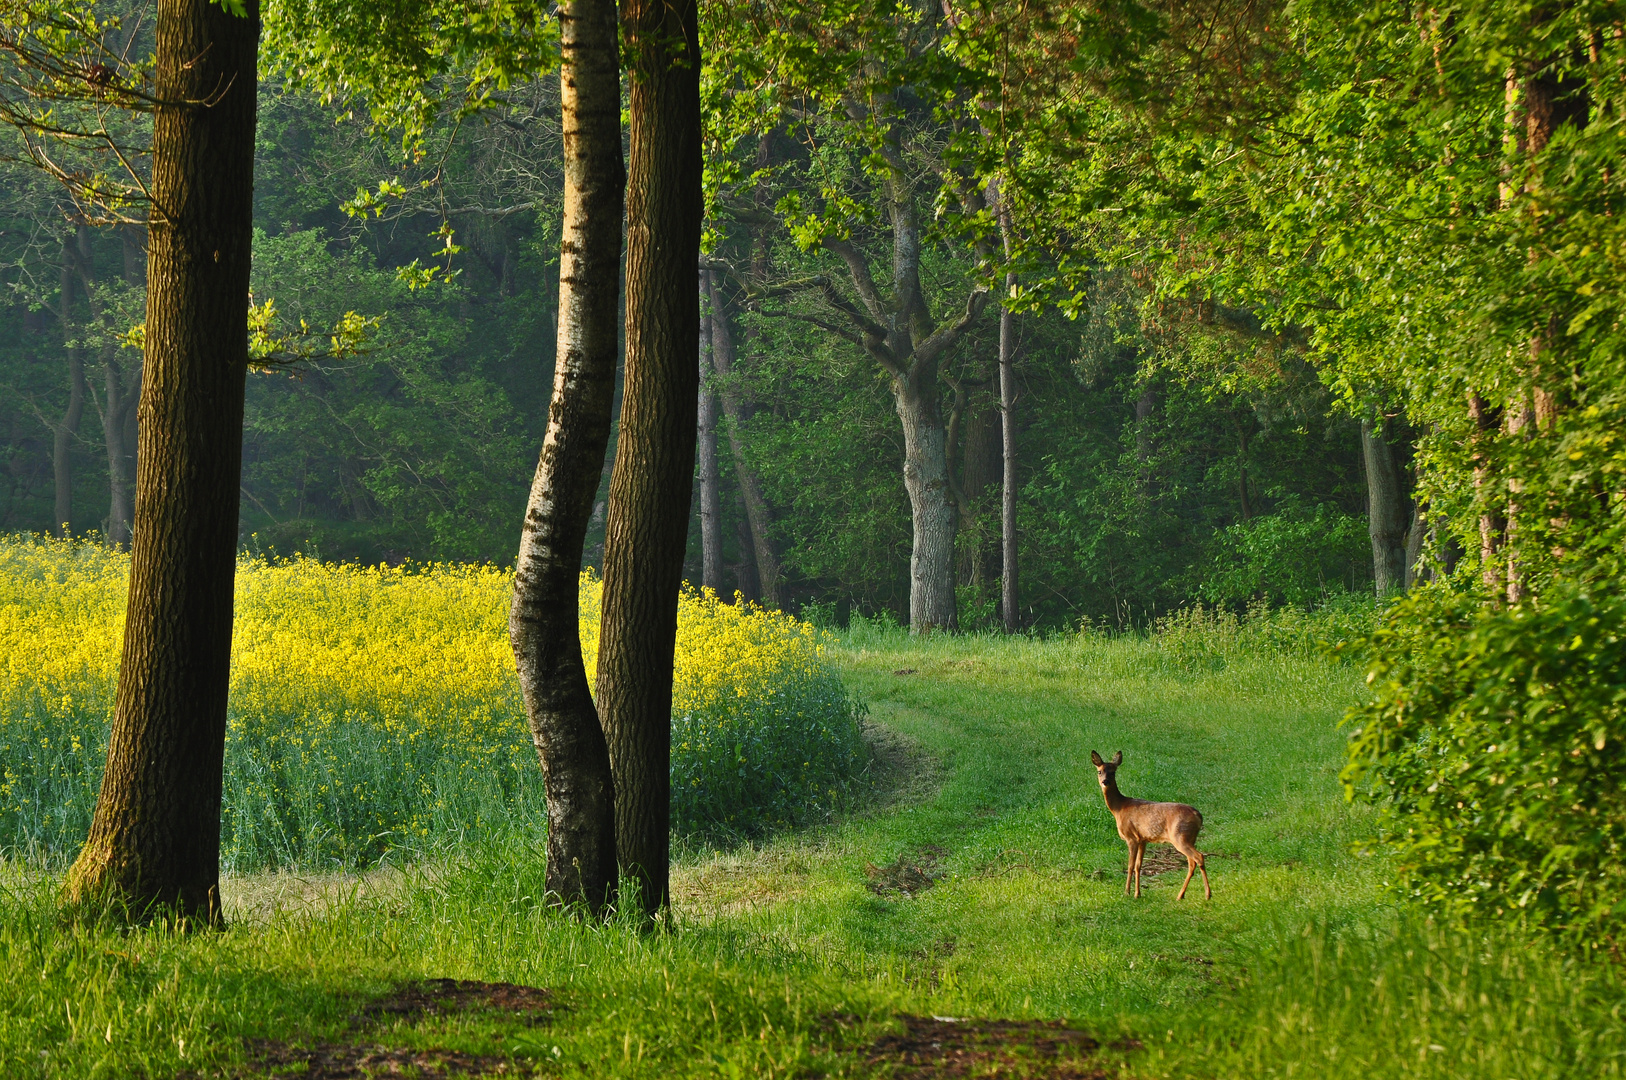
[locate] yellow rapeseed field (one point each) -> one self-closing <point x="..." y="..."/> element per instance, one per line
<point x="376" y="708"/>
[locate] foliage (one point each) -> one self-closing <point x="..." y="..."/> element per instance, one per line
<point x="1494" y="745"/>
<point x="1289" y="557"/>
<point x="1203" y="638"/>
<point x="376" y="709"/>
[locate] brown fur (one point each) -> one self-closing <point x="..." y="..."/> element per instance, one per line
<point x="1141" y="822"/>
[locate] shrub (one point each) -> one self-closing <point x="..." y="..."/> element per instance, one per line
<point x="1495" y="745"/>
<point x="1293" y="557"/>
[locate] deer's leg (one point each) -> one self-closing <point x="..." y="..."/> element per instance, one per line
<point x="1129" y="868"/>
<point x="1191" y="868"/>
<point x="1140" y="856"/>
<point x="1194" y="862"/>
<point x="1202" y="864"/>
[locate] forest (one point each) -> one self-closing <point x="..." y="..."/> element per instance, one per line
<point x="1145" y="480"/>
<point x="636" y="538"/>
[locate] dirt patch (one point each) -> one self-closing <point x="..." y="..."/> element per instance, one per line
<point x="907" y="671"/>
<point x="357" y="1059"/>
<point x="930" y="1047"/>
<point x="439" y="997"/>
<point x="344" y="1061"/>
<point x="1161" y="860"/>
<point x="909" y="875"/>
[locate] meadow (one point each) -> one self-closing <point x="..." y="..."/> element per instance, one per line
<point x="977" y="874"/>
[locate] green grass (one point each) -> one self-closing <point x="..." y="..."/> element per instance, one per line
<point x="1298" y="967"/>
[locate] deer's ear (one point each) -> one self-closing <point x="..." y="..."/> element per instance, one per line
<point x="1118" y="758"/>
<point x="1096" y="758"/>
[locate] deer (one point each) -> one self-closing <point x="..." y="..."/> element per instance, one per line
<point x="1141" y="823"/>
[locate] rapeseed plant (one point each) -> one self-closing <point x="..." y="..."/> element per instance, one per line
<point x="375" y="710"/>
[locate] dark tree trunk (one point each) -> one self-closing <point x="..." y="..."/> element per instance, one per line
<point x="1415" y="535"/>
<point x="68" y="430"/>
<point x="1145" y="406"/>
<point x="116" y="399"/>
<point x="711" y="502"/>
<point x="1386" y="511"/>
<point x="1487" y="418"/>
<point x="543" y="620"/>
<point x="980" y="469"/>
<point x="651" y="486"/>
<point x="154" y="840"/>
<point x="764" y="558"/>
<point x="745" y="574"/>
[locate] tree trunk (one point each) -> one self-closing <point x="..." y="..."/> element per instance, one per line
<point x="745" y="575"/>
<point x="711" y="503"/>
<point x="651" y="486"/>
<point x="1492" y="524"/>
<point x="1009" y="588"/>
<point x="115" y="404"/>
<point x="1415" y="535"/>
<point x="68" y="429"/>
<point x="1386" y="511"/>
<point x="931" y="503"/>
<point x="154" y="841"/>
<point x="543" y="620"/>
<point x="114" y="409"/>
<point x="764" y="557"/>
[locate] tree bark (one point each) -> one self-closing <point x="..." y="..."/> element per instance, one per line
<point x="711" y="503"/>
<point x="1009" y="586"/>
<point x="1386" y="511"/>
<point x="1415" y="534"/>
<point x="543" y="619"/>
<point x="154" y="841"/>
<point x="115" y="403"/>
<point x="931" y="502"/>
<point x="651" y="486"/>
<point x="757" y="515"/>
<point x="68" y="429"/>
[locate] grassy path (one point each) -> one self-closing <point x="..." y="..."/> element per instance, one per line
<point x="792" y="958"/>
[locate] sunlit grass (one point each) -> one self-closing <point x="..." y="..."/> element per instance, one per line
<point x="1301" y="966"/>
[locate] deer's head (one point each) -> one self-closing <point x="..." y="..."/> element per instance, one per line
<point x="1106" y="771"/>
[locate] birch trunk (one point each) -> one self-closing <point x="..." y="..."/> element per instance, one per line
<point x="543" y="619"/>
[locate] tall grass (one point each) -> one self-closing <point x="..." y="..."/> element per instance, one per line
<point x="376" y="710"/>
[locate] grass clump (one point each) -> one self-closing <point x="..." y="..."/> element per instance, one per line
<point x="375" y="711"/>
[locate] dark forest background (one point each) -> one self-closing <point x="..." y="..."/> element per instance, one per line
<point x="1143" y="487"/>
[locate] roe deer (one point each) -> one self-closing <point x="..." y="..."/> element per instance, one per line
<point x="1141" y="823"/>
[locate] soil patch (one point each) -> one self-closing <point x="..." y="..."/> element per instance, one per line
<point x="930" y="1047"/>
<point x="908" y="876"/>
<point x="438" y="997"/>
<point x="354" y="1060"/>
<point x="344" y="1061"/>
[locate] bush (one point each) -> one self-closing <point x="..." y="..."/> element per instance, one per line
<point x="1495" y="746"/>
<point x="376" y="710"/>
<point x="1293" y="557"/>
